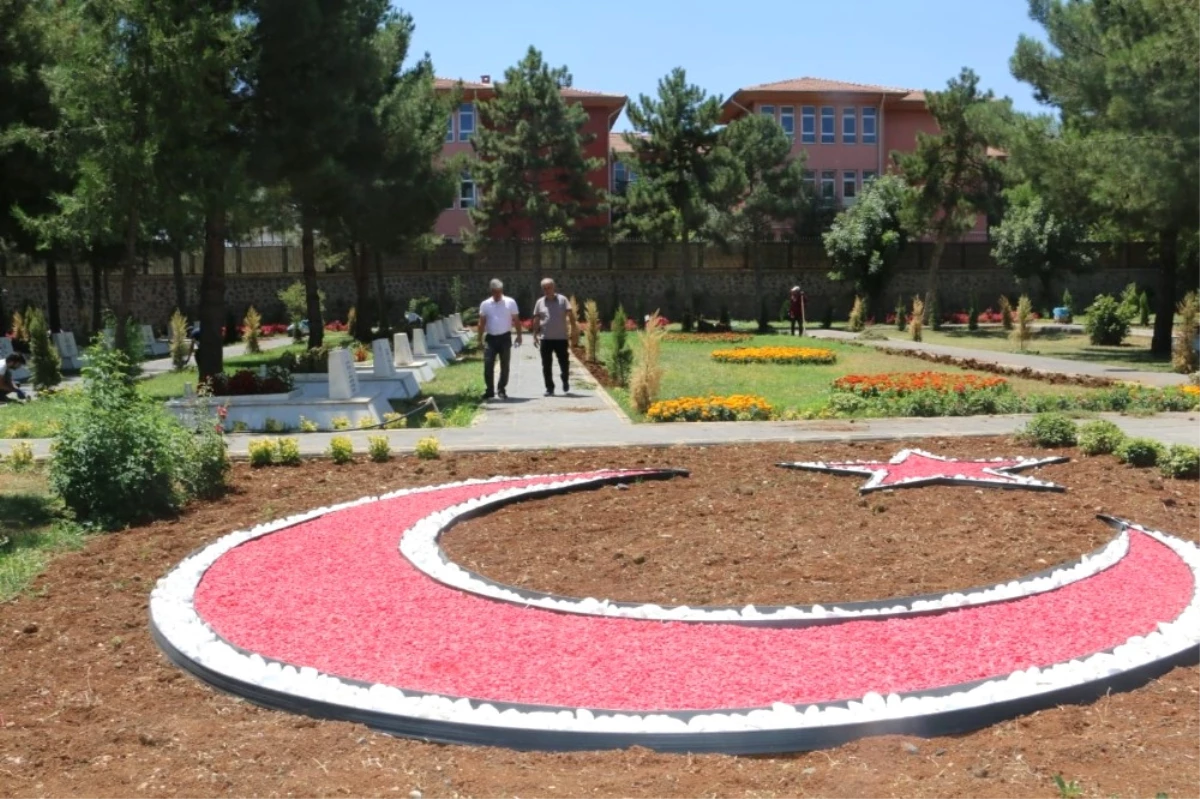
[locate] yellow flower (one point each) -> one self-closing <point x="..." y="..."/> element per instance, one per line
<point x="784" y="355"/>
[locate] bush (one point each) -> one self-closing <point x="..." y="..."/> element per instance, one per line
<point x="428" y="449"/>
<point x="592" y="330"/>
<point x="434" y="419"/>
<point x="1140" y="452"/>
<point x="274" y="426"/>
<point x="621" y="361"/>
<point x="1049" y="430"/>
<point x="973" y="314"/>
<point x="379" y="449"/>
<point x="262" y="452"/>
<point x="46" y="368"/>
<point x="1107" y="321"/>
<point x="340" y="423"/>
<point x="918" y="319"/>
<point x="295" y="300"/>
<point x="180" y="342"/>
<point x="252" y="325"/>
<point x="313" y="361"/>
<point x="287" y="452"/>
<point x="1181" y="462"/>
<point x="1068" y="302"/>
<point x="1184" y="357"/>
<point x="935" y="313"/>
<point x="647" y="375"/>
<point x="1143" y="309"/>
<point x="1099" y="438"/>
<point x="1023" y="329"/>
<point x="858" y="316"/>
<point x="901" y="312"/>
<point x="20" y="457"/>
<point x="119" y="457"/>
<point x="341" y="449"/>
<point x="19" y="430"/>
<point x="827" y="317"/>
<point x="1006" y="320"/>
<point x="1130" y="300"/>
<point x="308" y="425"/>
<point x="394" y="421"/>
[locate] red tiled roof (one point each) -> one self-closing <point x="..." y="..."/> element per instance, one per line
<point x="617" y="143"/>
<point x="447" y="84"/>
<point x="822" y="85"/>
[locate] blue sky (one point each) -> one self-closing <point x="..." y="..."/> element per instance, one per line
<point x="624" y="48"/>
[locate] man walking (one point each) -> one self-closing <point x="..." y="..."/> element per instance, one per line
<point x="552" y="318"/>
<point x="497" y="318"/>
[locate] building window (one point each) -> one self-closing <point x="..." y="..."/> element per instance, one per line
<point x="767" y="110"/>
<point x="466" y="121"/>
<point x="622" y="177"/>
<point x="787" y="120"/>
<point x="809" y="182"/>
<point x="849" y="126"/>
<point x="466" y="191"/>
<point x="869" y="175"/>
<point x="849" y="187"/>
<point x="450" y="128"/>
<point x="827" y="135"/>
<point x="808" y="124"/>
<point x="828" y="179"/>
<point x="868" y="125"/>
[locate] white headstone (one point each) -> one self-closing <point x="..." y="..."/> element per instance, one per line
<point x="65" y="342"/>
<point x="404" y="355"/>
<point x="6" y="347"/>
<point x="418" y="343"/>
<point x="456" y="320"/>
<point x="433" y="334"/>
<point x="343" y="380"/>
<point x="384" y="366"/>
<point x="148" y="335"/>
<point x="447" y="329"/>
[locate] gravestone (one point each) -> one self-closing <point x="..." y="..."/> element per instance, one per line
<point x="403" y="352"/>
<point x="456" y="320"/>
<point x="154" y="347"/>
<point x="343" y="379"/>
<point x="68" y="351"/>
<point x="418" y="343"/>
<point x="384" y="365"/>
<point x="433" y="335"/>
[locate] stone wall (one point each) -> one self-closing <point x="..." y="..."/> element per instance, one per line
<point x="634" y="276"/>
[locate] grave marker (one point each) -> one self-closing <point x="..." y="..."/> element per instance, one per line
<point x="404" y="355"/>
<point x="384" y="365"/>
<point x="343" y="379"/>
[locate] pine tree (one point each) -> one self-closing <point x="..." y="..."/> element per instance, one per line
<point x="46" y="366"/>
<point x="530" y="156"/>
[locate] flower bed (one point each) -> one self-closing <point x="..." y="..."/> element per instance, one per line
<point x="899" y="384"/>
<point x="784" y="355"/>
<point x="244" y="383"/>
<point x="706" y="338"/>
<point x="735" y="408"/>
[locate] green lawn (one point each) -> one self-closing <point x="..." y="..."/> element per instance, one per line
<point x="457" y="389"/>
<point x="31" y="529"/>
<point x="690" y="372"/>
<point x="1134" y="354"/>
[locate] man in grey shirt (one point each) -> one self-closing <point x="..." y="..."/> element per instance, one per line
<point x="552" y="318"/>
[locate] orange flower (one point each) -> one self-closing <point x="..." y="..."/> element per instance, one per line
<point x="739" y="407"/>
<point x="901" y="383"/>
<point x="786" y="355"/>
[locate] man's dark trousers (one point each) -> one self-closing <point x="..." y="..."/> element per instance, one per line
<point x="552" y="347"/>
<point x="492" y="346"/>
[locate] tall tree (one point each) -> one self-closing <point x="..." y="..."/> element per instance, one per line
<point x="684" y="168"/>
<point x="867" y="239"/>
<point x="530" y="155"/>
<point x="1126" y="80"/>
<point x="1038" y="244"/>
<point x="954" y="177"/>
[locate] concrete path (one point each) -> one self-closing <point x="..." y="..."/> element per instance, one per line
<point x="1040" y="363"/>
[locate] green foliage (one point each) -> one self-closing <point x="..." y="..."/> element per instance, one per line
<point x="295" y="300"/>
<point x="1067" y="790"/>
<point x="19" y="430"/>
<point x="308" y="425"/>
<point x="858" y="315"/>
<point x="341" y="449"/>
<point x="1181" y="462"/>
<point x="340" y="423"/>
<point x="46" y="367"/>
<point x="274" y="426"/>
<point x="456" y="294"/>
<point x="1068" y="302"/>
<point x="427" y="308"/>
<point x="180" y="342"/>
<point x="1130" y="301"/>
<point x="769" y="190"/>
<point x="1107" y="321"/>
<point x="434" y="419"/>
<point x="934" y="313"/>
<point x="262" y="452"/>
<point x="1100" y="437"/>
<point x="827" y="317"/>
<point x="119" y="458"/>
<point x="1143" y="310"/>
<point x="529" y="132"/>
<point x="252" y="324"/>
<point x="287" y="452"/>
<point x="973" y="314"/>
<point x="901" y="314"/>
<point x="366" y="423"/>
<point x="1023" y="328"/>
<point x="1140" y="452"/>
<point x="378" y="448"/>
<point x="394" y="421"/>
<point x="1049" y="430"/>
<point x="313" y="361"/>
<point x="1184" y="356"/>
<point x="868" y="238"/>
<point x="620" y="360"/>
<point x="1037" y="244"/>
<point x="428" y="449"/>
<point x="592" y="330"/>
<point x="208" y="465"/>
<point x="1006" y="319"/>
<point x="20" y="457"/>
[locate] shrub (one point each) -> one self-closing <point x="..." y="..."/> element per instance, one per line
<point x="181" y="344"/>
<point x="574" y="332"/>
<point x="1023" y="329"/>
<point x="313" y="361"/>
<point x="19" y="430"/>
<point x="1180" y="461"/>
<point x="621" y="361"/>
<point x="394" y="421"/>
<point x="262" y="452"/>
<point x="352" y="323"/>
<point x="379" y="449"/>
<point x="1143" y="309"/>
<point x="1184" y="357"/>
<point x="365" y="423"/>
<point x="209" y="466"/>
<point x="901" y="313"/>
<point x="918" y="319"/>
<point x="592" y="330"/>
<point x="308" y="425"/>
<point x="827" y="318"/>
<point x="935" y="313"/>
<point x="119" y="457"/>
<point x="240" y="427"/>
<point x="20" y="336"/>
<point x="1107" y="321"/>
<point x="973" y="314"/>
<point x="1068" y="302"/>
<point x="252" y="325"/>
<point x="434" y="419"/>
<point x="340" y="423"/>
<point x="46" y="368"/>
<point x="647" y="375"/>
<point x="1140" y="452"/>
<point x="295" y="300"/>
<point x="1049" y="430"/>
<point x="287" y="451"/>
<point x="1130" y="300"/>
<point x="341" y="449"/>
<point x="20" y="457"/>
<point x="274" y="426"/>
<point x="1006" y="320"/>
<point x="858" y="316"/>
<point x="428" y="449"/>
<point x="1099" y="438"/>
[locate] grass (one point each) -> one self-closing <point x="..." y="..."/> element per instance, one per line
<point x="1070" y="346"/>
<point x="690" y="372"/>
<point x="32" y="530"/>
<point x="457" y="389"/>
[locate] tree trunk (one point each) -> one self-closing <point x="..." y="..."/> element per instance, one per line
<point x="210" y="358"/>
<point x="380" y="301"/>
<point x="360" y="259"/>
<point x="77" y="295"/>
<point x="97" y="276"/>
<point x="128" y="274"/>
<point x="53" y="319"/>
<point x="177" y="275"/>
<point x="1164" y="320"/>
<point x="316" y="325"/>
<point x="931" y="281"/>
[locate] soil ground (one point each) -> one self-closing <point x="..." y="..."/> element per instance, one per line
<point x="89" y="707"/>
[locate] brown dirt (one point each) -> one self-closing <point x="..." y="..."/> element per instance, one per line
<point x="597" y="369"/>
<point x="89" y="707"/>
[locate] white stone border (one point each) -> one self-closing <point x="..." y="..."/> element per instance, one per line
<point x="876" y="476"/>
<point x="419" y="544"/>
<point x="173" y="614"/>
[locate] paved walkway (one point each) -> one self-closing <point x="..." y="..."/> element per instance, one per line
<point x="588" y="418"/>
<point x="1040" y="363"/>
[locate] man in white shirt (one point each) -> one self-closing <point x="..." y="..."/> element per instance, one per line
<point x="8" y="368"/>
<point x="497" y="319"/>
